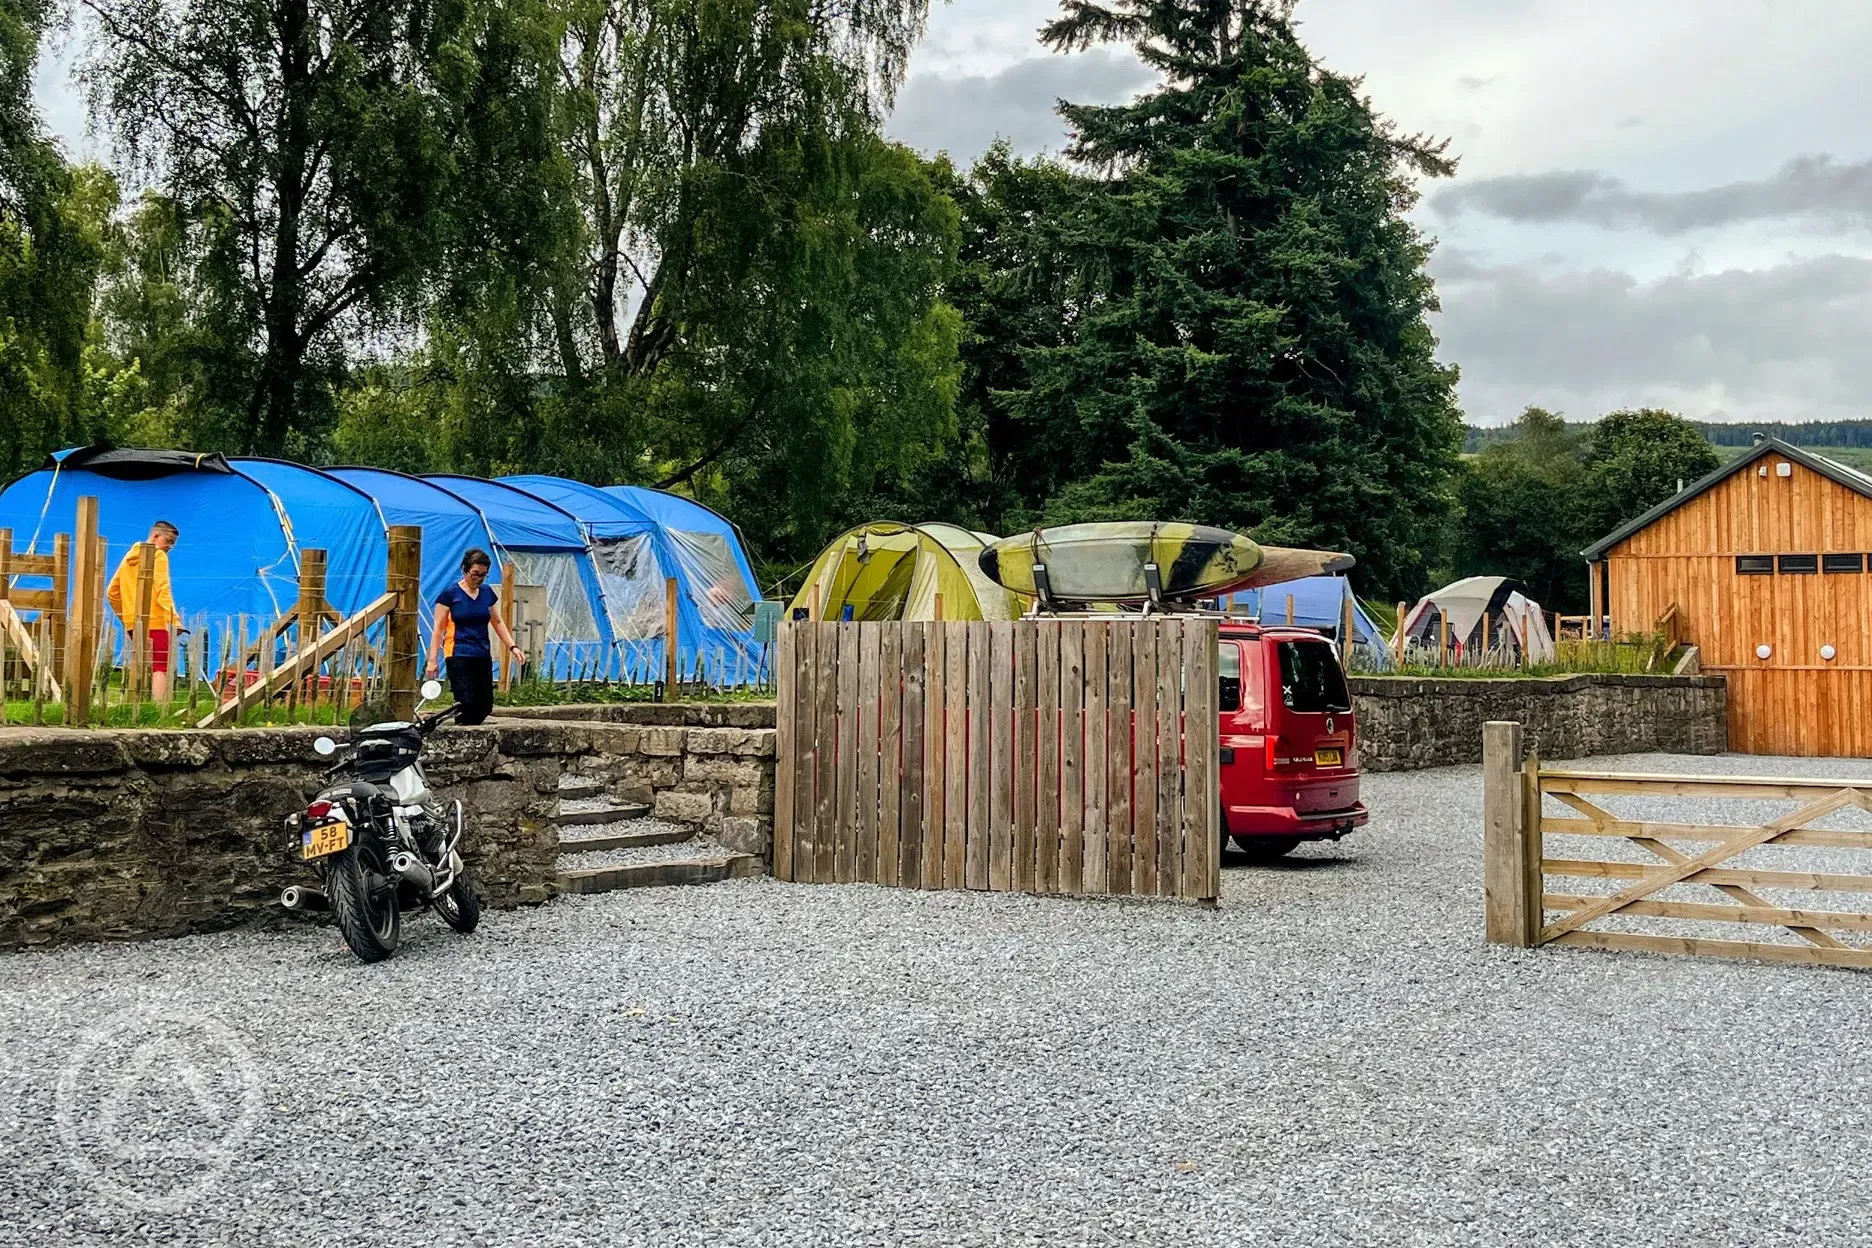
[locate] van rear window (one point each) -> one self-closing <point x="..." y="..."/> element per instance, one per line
<point x="1311" y="681"/>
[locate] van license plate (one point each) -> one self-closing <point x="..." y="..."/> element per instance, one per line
<point x="1329" y="758"/>
<point x="327" y="839"/>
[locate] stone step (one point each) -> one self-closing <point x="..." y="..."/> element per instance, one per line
<point x="580" y="790"/>
<point x="668" y="872"/>
<point x="624" y="840"/>
<point x="592" y="818"/>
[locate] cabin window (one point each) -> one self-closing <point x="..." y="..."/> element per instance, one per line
<point x="1754" y="565"/>
<point x="1228" y="660"/>
<point x="1842" y="563"/>
<point x="1798" y="565"/>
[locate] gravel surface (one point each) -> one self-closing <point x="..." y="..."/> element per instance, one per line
<point x="699" y="847"/>
<point x="1332" y="1057"/>
<point x="594" y="831"/>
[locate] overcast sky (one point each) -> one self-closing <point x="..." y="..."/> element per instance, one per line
<point x="1660" y="202"/>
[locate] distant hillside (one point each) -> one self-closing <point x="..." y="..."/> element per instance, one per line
<point x="1840" y="436"/>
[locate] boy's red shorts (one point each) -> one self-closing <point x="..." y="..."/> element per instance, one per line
<point x="159" y="649"/>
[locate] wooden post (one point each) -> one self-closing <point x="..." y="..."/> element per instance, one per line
<point x="1345" y="626"/>
<point x="671" y="672"/>
<point x="1511" y="870"/>
<point x="6" y="564"/>
<point x="1485" y="635"/>
<point x="310" y="610"/>
<point x="81" y="626"/>
<point x="405" y="629"/>
<point x="57" y="661"/>
<point x="1595" y="598"/>
<point x="510" y="577"/>
<point x="1443" y="631"/>
<point x="1402" y="611"/>
<point x="939" y="606"/>
<point x="1290" y="610"/>
<point x="145" y="594"/>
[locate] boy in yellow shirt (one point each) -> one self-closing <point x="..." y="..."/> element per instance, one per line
<point x="163" y="616"/>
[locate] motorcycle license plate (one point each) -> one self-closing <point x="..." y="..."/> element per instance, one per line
<point x="326" y="839"/>
<point x="1329" y="758"/>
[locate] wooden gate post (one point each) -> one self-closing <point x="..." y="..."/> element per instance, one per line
<point x="405" y="626"/>
<point x="1511" y="842"/>
<point x="81" y="625"/>
<point x="670" y="673"/>
<point x="510" y="579"/>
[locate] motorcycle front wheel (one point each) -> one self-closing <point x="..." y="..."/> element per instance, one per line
<point x="365" y="904"/>
<point x="459" y="907"/>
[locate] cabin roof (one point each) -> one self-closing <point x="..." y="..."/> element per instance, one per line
<point x="1858" y="482"/>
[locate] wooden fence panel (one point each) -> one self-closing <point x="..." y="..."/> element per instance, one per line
<point x="1051" y="756"/>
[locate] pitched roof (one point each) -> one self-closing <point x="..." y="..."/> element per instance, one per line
<point x="1854" y="480"/>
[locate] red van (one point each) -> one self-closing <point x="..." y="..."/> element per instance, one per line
<point x="1289" y="741"/>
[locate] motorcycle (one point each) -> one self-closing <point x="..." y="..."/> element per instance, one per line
<point x="381" y="842"/>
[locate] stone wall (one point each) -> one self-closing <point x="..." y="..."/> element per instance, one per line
<point x="1407" y="723"/>
<point x="137" y="834"/>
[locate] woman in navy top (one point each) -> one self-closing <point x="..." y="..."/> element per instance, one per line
<point x="464" y="614"/>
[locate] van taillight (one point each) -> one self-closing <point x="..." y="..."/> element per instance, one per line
<point x="1280" y="754"/>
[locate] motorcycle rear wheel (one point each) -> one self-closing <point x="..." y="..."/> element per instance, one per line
<point x="365" y="905"/>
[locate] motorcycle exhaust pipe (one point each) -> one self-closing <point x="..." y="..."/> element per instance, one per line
<point x="303" y="900"/>
<point x="413" y="869"/>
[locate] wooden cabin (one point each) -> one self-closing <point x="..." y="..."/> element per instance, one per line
<point x="1765" y="561"/>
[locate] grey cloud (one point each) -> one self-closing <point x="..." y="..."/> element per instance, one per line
<point x="1815" y="187"/>
<point x="1781" y="343"/>
<point x="1472" y="83"/>
<point x="965" y="115"/>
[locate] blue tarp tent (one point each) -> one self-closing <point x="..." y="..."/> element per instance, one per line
<point x="548" y="547"/>
<point x="451" y="526"/>
<point x="243" y="523"/>
<point x="1318" y="602"/>
<point x="642" y="537"/>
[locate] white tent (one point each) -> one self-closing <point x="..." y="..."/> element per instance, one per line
<point x="1516" y="626"/>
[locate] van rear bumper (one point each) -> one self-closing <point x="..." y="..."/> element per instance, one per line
<point x="1285" y="821"/>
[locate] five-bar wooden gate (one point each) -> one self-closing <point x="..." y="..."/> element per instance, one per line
<point x="1044" y="756"/>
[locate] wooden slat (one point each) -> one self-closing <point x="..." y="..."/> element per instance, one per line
<point x="300" y="664"/>
<point x="29" y="565"/>
<point x="1804" y="955"/>
<point x="890" y="764"/>
<point x="1097" y="752"/>
<point x="915" y="656"/>
<point x="980" y="835"/>
<point x="1201" y="741"/>
<point x="32" y="599"/>
<point x="1144" y="764"/>
<point x="864" y="867"/>
<point x="806" y="753"/>
<point x="786" y="752"/>
<point x="935" y="754"/>
<point x="1001" y="751"/>
<point x="1072" y="756"/>
<point x="1046" y="748"/>
<point x="845" y="851"/>
<point x="1558" y="826"/>
<point x="825" y="756"/>
<point x="1170" y="761"/>
<point x="955" y="799"/>
<point x="1118" y="677"/>
<point x="1816" y="881"/>
<point x="1701" y="911"/>
<point x="1025" y="764"/>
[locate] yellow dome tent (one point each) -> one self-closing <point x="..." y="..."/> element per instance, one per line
<point x="888" y="571"/>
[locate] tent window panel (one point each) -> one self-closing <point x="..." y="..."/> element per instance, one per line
<point x="1798" y="565"/>
<point x="1842" y="563"/>
<point x="568" y="610"/>
<point x="633" y="587"/>
<point x="1755" y="565"/>
<point x="720" y="592"/>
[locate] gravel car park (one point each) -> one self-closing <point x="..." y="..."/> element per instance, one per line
<point x="1332" y="1056"/>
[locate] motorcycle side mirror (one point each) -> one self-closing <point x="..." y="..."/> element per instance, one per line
<point x="325" y="747"/>
<point x="431" y="690"/>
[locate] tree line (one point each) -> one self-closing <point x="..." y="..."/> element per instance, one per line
<point x="668" y="242"/>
